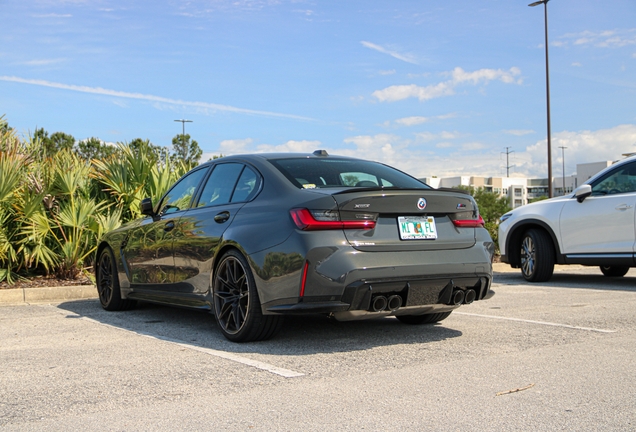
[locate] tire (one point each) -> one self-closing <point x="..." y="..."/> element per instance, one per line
<point x="107" y="282"/>
<point x="537" y="256"/>
<point x="236" y="304"/>
<point x="614" y="271"/>
<point x="423" y="319"/>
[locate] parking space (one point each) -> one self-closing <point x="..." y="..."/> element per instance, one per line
<point x="547" y="356"/>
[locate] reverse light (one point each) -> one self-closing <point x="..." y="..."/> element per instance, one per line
<point x="313" y="220"/>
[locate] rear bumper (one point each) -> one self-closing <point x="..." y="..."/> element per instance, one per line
<point x="415" y="296"/>
<point x="341" y="279"/>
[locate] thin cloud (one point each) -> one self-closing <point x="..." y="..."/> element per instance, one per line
<point x="418" y="120"/>
<point x="602" y="39"/>
<point x="53" y="15"/>
<point x="406" y="58"/>
<point x="412" y="121"/>
<point x="447" y="88"/>
<point x="151" y="98"/>
<point x="43" y="62"/>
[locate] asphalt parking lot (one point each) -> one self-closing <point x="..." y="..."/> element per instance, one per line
<point x="551" y="356"/>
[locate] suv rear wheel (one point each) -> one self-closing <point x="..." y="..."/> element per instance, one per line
<point x="537" y="256"/>
<point x="614" y="271"/>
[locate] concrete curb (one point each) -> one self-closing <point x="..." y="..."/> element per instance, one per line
<point x="34" y="295"/>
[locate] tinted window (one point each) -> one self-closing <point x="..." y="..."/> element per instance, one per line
<point x="247" y="186"/>
<point x="179" y="197"/>
<point x="620" y="180"/>
<point x="219" y="187"/>
<point x="330" y="172"/>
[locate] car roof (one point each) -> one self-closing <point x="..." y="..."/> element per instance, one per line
<point x="318" y="154"/>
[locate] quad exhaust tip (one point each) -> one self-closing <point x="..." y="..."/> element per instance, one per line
<point x="381" y="303"/>
<point x="463" y="297"/>
<point x="394" y="302"/>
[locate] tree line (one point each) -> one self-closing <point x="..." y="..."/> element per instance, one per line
<point x="184" y="148"/>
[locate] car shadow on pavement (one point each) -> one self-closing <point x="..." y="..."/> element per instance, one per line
<point x="587" y="279"/>
<point x="300" y="335"/>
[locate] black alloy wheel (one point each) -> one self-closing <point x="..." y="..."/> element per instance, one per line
<point x="423" y="319"/>
<point x="107" y="283"/>
<point x="236" y="303"/>
<point x="614" y="271"/>
<point x="537" y="256"/>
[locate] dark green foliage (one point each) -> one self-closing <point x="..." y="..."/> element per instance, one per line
<point x="50" y="145"/>
<point x="186" y="150"/>
<point x="491" y="208"/>
<point x="94" y="148"/>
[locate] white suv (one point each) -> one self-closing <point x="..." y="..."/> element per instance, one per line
<point x="594" y="225"/>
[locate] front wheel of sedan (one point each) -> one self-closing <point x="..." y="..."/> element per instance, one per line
<point x="107" y="282"/>
<point x="537" y="256"/>
<point x="423" y="319"/>
<point x="236" y="303"/>
<point x="614" y="271"/>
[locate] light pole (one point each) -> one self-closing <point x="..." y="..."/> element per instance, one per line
<point x="563" y="160"/>
<point x="547" y="91"/>
<point x="183" y="122"/>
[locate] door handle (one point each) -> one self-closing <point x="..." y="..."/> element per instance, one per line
<point x="169" y="226"/>
<point x="222" y="217"/>
<point x="623" y="207"/>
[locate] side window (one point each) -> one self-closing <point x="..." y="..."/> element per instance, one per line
<point x="179" y="197"/>
<point x="219" y="187"/>
<point x="247" y="186"/>
<point x="621" y="180"/>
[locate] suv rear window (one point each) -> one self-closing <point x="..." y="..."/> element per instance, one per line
<point x="310" y="173"/>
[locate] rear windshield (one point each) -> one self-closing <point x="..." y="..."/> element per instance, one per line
<point x="310" y="173"/>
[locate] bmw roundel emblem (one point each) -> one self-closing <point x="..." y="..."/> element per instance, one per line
<point x="421" y="204"/>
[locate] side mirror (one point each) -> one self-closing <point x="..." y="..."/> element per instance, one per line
<point x="146" y="207"/>
<point x="583" y="192"/>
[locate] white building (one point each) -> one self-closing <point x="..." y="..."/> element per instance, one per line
<point x="521" y="190"/>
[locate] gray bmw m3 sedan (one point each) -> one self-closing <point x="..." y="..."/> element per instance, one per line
<point x="253" y="238"/>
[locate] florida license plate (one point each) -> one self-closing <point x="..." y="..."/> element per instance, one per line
<point x="417" y="228"/>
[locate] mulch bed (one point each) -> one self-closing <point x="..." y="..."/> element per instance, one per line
<point x="45" y="281"/>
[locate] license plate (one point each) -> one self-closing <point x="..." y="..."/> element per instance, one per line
<point x="417" y="228"/>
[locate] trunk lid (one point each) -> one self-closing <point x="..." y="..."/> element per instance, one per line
<point x="408" y="220"/>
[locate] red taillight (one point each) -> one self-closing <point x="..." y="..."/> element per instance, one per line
<point x="303" y="281"/>
<point x="469" y="223"/>
<point x="307" y="222"/>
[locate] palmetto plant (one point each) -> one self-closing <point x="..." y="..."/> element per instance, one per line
<point x="54" y="208"/>
<point x="13" y="167"/>
<point x="135" y="174"/>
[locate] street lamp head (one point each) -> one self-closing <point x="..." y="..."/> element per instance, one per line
<point x="537" y="3"/>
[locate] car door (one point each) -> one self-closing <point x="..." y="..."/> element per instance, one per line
<point x="149" y="247"/>
<point x="228" y="188"/>
<point x="604" y="222"/>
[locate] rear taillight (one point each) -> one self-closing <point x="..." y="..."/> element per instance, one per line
<point x="312" y="220"/>
<point x="469" y="223"/>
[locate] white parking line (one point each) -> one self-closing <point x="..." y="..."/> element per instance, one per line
<point x="222" y="354"/>
<point x="537" y="322"/>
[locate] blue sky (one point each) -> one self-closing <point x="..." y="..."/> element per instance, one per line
<point x="433" y="88"/>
